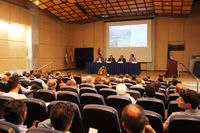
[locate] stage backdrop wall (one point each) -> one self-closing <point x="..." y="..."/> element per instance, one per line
<point x="166" y="29"/>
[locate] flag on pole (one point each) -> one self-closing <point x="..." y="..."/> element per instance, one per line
<point x="71" y="58"/>
<point x="66" y="59"/>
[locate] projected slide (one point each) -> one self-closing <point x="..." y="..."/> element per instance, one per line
<point x="128" y="36"/>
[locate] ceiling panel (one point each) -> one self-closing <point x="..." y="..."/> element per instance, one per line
<point x="86" y="11"/>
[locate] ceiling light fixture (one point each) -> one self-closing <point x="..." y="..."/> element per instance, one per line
<point x="37" y="2"/>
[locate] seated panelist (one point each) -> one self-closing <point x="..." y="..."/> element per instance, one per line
<point x="122" y="59"/>
<point x="111" y="59"/>
<point x="132" y="58"/>
<point x="99" y="59"/>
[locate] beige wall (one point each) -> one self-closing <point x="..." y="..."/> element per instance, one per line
<point x="166" y="29"/>
<point x="13" y="44"/>
<point x="89" y="35"/>
<point x="54" y="38"/>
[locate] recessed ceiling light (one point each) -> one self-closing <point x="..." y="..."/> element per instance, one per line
<point x="166" y="3"/>
<point x="37" y="2"/>
<point x="71" y="12"/>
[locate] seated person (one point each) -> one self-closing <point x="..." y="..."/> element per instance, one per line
<point x="126" y="77"/>
<point x="98" y="80"/>
<point x="132" y="59"/>
<point x="188" y="100"/>
<point x="134" y="120"/>
<point x="179" y="87"/>
<point x="71" y="83"/>
<point x="89" y="80"/>
<point x="38" y="78"/>
<point x="51" y="84"/>
<point x="122" y="59"/>
<point x="133" y="77"/>
<point x="69" y="74"/>
<point x="61" y="117"/>
<point x="14" y="86"/>
<point x="121" y="90"/>
<point x="15" y="111"/>
<point x="61" y="84"/>
<point x="111" y="59"/>
<point x="99" y="58"/>
<point x="150" y="91"/>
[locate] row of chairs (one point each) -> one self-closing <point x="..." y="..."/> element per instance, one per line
<point x="105" y="119"/>
<point x="108" y="95"/>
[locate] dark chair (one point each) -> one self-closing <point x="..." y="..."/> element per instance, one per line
<point x="171" y="91"/>
<point x="86" y="85"/>
<point x="25" y="83"/>
<point x="100" y="86"/>
<point x="133" y="93"/>
<point x="3" y="100"/>
<point x="44" y="79"/>
<point x="87" y="90"/>
<point x="45" y="95"/>
<point x="184" y="124"/>
<point x="161" y="96"/>
<point x="42" y="130"/>
<point x="107" y="92"/>
<point x="173" y="107"/>
<point x="138" y="88"/>
<point x="132" y="82"/>
<point x="69" y="96"/>
<point x="162" y="86"/>
<point x="90" y="98"/>
<point x="118" y="102"/>
<point x="155" y="120"/>
<point x="163" y="83"/>
<point x="152" y="104"/>
<point x="77" y="121"/>
<point x="36" y="109"/>
<point x="171" y="97"/>
<point x="114" y="87"/>
<point x="162" y="90"/>
<point x="69" y="88"/>
<point x="146" y="82"/>
<point x="77" y="79"/>
<point x="7" y="127"/>
<point x="4" y="87"/>
<point x="96" y="83"/>
<point x="128" y="85"/>
<point x="65" y="79"/>
<point x="113" y="83"/>
<point x="58" y="86"/>
<point x="102" y="118"/>
<point x="36" y="82"/>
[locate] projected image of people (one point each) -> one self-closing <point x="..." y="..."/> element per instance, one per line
<point x="128" y="36"/>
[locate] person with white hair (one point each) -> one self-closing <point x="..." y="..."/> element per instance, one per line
<point x="121" y="91"/>
<point x="89" y="80"/>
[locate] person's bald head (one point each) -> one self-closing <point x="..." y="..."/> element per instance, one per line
<point x="134" y="118"/>
<point x="179" y="87"/>
<point x="120" y="80"/>
<point x="4" y="78"/>
<point x="138" y="81"/>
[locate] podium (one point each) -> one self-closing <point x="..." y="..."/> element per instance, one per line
<point x="172" y="67"/>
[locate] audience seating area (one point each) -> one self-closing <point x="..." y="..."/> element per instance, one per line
<point x="98" y="106"/>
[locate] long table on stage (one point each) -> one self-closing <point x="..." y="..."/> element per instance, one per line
<point x="114" y="68"/>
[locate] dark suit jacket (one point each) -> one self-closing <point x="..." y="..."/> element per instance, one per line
<point x="124" y="60"/>
<point x="113" y="59"/>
